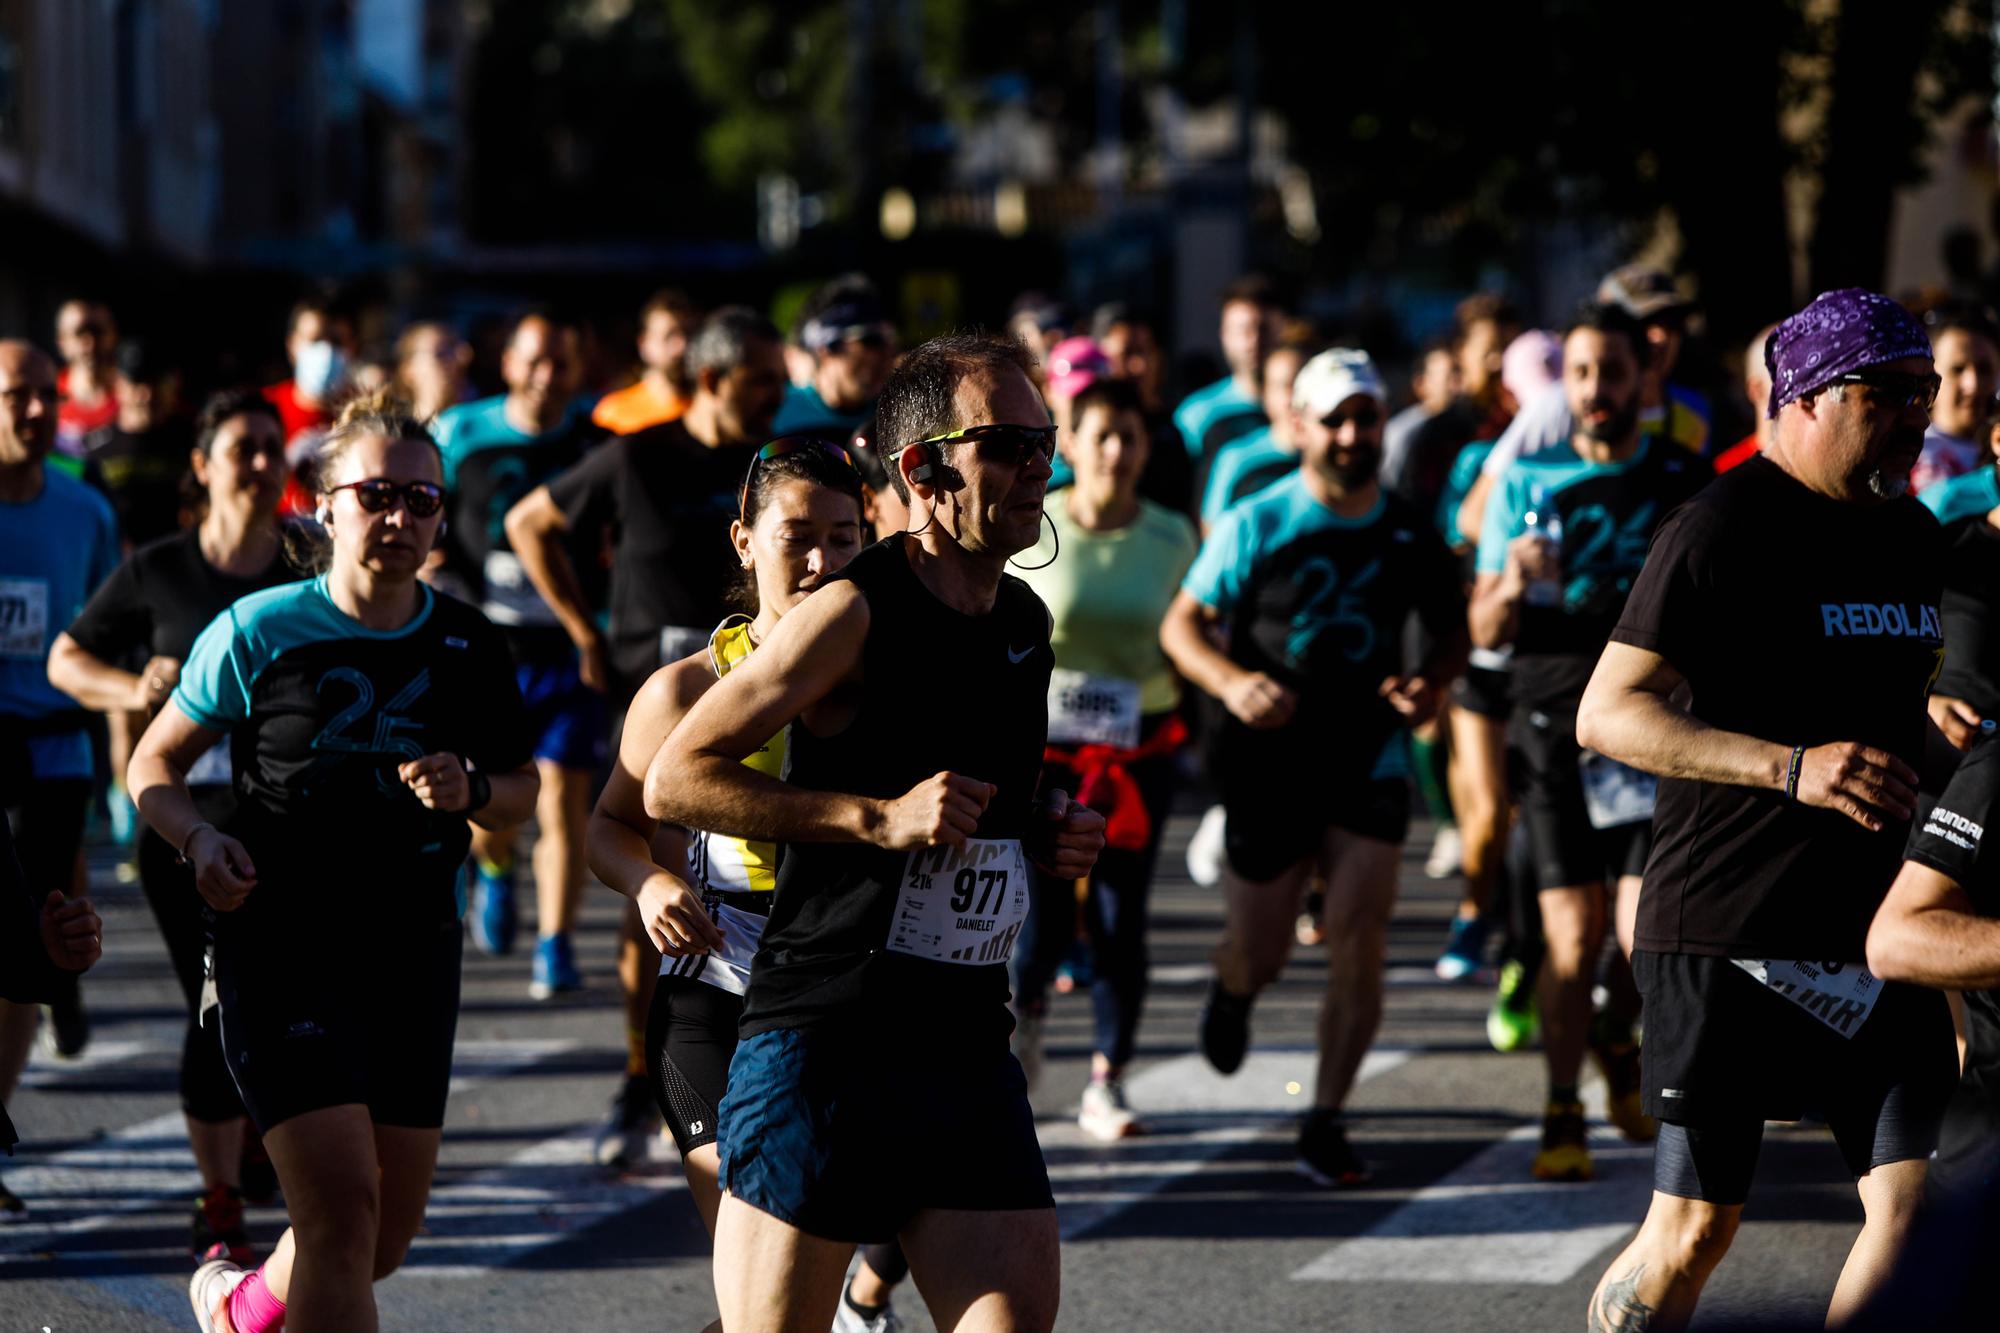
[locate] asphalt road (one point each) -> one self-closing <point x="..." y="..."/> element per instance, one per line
<point x="1200" y="1224"/>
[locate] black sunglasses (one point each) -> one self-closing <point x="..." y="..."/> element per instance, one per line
<point x="1000" y="443"/>
<point x="1896" y="390"/>
<point x="789" y="444"/>
<point x="377" y="495"/>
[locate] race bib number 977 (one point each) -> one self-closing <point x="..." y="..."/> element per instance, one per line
<point x="962" y="905"/>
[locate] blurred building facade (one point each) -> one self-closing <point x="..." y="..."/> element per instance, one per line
<point x="145" y="141"/>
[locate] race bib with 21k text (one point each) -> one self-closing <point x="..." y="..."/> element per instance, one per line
<point x="962" y="904"/>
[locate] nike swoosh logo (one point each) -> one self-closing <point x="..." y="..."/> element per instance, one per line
<point x="1020" y="657"/>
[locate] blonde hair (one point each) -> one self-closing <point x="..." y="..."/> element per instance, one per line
<point x="384" y="412"/>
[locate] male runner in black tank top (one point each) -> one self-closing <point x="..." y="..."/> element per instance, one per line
<point x="917" y="682"/>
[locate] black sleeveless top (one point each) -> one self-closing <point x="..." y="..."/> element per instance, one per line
<point x="941" y="691"/>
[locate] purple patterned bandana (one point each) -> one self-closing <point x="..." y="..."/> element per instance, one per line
<point x="1837" y="333"/>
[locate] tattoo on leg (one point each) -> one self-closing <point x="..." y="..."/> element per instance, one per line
<point x="1618" y="1308"/>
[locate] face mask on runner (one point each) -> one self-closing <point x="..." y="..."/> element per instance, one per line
<point x="320" y="368"/>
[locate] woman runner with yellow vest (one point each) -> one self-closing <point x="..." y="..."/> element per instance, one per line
<point x="703" y="896"/>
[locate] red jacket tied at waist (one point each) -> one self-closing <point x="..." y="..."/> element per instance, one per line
<point x="1105" y="783"/>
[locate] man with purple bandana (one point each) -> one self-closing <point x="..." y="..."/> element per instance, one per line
<point x="1795" y="600"/>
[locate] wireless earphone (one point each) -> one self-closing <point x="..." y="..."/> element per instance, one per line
<point x="323" y="515"/>
<point x="933" y="472"/>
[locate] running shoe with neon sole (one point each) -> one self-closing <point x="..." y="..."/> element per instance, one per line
<point x="217" y="1232"/>
<point x="554" y="972"/>
<point x="1511" y="1022"/>
<point x="1626" y="1106"/>
<point x="847" y="1319"/>
<point x="1464" y="949"/>
<point x="627" y="1137"/>
<point x="1225" y="1029"/>
<point x="209" y="1291"/>
<point x="1105" y="1115"/>
<point x="1326" y="1158"/>
<point x="1565" y="1151"/>
<point x="492" y="914"/>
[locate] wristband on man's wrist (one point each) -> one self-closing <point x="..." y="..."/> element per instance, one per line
<point x="1792" y="769"/>
<point x="479" y="788"/>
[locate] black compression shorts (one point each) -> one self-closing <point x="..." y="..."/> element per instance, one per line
<point x="690" y="1039"/>
<point x="1569" y="849"/>
<point x="308" y="1024"/>
<point x="1724" y="1053"/>
<point x="1270" y="826"/>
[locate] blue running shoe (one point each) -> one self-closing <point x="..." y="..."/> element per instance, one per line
<point x="1465" y="952"/>
<point x="555" y="969"/>
<point x="492" y="914"/>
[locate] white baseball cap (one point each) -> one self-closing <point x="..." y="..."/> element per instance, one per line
<point x="1333" y="377"/>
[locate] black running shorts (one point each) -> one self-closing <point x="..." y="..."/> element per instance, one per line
<point x="1484" y="691"/>
<point x="1569" y="849"/>
<point x="310" y="1024"/>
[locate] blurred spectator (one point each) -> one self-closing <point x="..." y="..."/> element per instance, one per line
<point x="1757" y="388"/>
<point x="143" y="456"/>
<point x="1212" y="416"/>
<point x="1433" y="386"/>
<point x="1074" y="365"/>
<point x="660" y="394"/>
<point x="1271" y="452"/>
<point x="1486" y="323"/>
<point x="319" y="345"/>
<point x="1040" y="322"/>
<point x="431" y="361"/>
<point x="1966" y="349"/>
<point x="846" y="329"/>
<point x="87" y="337"/>
<point x="1132" y="346"/>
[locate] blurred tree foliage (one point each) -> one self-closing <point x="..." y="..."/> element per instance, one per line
<point x="1434" y="136"/>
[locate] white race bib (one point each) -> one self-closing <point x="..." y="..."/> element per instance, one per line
<point x="24" y="618"/>
<point x="1840" y="995"/>
<point x="511" y="598"/>
<point x="212" y="769"/>
<point x="962" y="905"/>
<point x="1615" y="794"/>
<point x="1093" y="710"/>
<point x="678" y="641"/>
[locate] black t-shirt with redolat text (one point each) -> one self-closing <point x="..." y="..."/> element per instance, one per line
<point x="1799" y="619"/>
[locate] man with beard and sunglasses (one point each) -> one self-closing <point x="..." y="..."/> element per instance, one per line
<point x="1770" y="667"/>
<point x="1316" y="579"/>
<point x="1563" y="538"/>
<point x="915" y="684"/>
